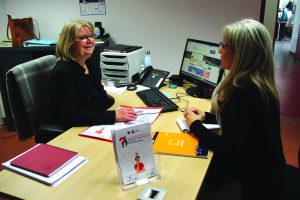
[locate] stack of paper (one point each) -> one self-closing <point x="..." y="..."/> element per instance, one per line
<point x="45" y="163"/>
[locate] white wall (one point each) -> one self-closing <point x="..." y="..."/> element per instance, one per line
<point x="2" y="16"/>
<point x="295" y="28"/>
<point x="161" y="26"/>
<point x="3" y="19"/>
<point x="283" y="3"/>
<point x="270" y="16"/>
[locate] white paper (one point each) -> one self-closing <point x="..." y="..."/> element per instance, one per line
<point x="184" y="127"/>
<point x="144" y="115"/>
<point x="56" y="178"/>
<point x="115" y="90"/>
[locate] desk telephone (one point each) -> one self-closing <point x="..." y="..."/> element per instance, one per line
<point x="152" y="78"/>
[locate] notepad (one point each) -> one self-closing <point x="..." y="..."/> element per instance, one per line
<point x="44" y="159"/>
<point x="181" y="122"/>
<point x="178" y="144"/>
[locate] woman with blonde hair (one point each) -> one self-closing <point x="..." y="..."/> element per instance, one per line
<point x="78" y="98"/>
<point x="246" y="105"/>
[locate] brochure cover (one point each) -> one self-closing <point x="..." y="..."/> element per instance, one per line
<point x="101" y="132"/>
<point x="134" y="153"/>
<point x="178" y="144"/>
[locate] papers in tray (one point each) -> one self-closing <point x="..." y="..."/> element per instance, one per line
<point x="53" y="180"/>
<point x="103" y="132"/>
<point x="184" y="127"/>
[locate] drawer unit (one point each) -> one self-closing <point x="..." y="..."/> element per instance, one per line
<point x="122" y="67"/>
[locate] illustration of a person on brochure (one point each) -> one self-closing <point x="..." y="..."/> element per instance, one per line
<point x="139" y="166"/>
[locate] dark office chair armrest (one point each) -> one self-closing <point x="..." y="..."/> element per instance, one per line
<point x="292" y="180"/>
<point x="47" y="132"/>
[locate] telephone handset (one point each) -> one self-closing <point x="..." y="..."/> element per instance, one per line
<point x="152" y="78"/>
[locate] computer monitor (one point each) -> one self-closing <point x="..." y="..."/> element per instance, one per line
<point x="201" y="65"/>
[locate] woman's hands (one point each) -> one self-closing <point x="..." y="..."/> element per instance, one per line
<point x="125" y="114"/>
<point x="192" y="114"/>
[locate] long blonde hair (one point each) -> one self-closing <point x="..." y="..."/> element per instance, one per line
<point x="67" y="38"/>
<point x="251" y="45"/>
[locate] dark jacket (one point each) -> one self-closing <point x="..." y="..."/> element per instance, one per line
<point x="79" y="99"/>
<point x="250" y="147"/>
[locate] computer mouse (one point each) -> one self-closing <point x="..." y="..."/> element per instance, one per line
<point x="131" y="87"/>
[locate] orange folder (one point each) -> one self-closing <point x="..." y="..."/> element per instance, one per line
<point x="177" y="144"/>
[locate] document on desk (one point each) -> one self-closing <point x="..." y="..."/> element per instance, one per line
<point x="181" y="122"/>
<point x="103" y="132"/>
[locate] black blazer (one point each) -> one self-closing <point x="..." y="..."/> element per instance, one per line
<point x="79" y="99"/>
<point x="249" y="148"/>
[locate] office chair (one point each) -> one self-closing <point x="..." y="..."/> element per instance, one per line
<point x="28" y="95"/>
<point x="292" y="180"/>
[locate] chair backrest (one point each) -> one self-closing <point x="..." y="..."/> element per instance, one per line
<point x="28" y="94"/>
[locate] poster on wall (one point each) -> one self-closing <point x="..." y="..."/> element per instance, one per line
<point x="92" y="7"/>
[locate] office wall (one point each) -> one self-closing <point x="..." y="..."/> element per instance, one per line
<point x="270" y="16"/>
<point x="295" y="38"/>
<point x="2" y="16"/>
<point x="3" y="20"/>
<point x="161" y="26"/>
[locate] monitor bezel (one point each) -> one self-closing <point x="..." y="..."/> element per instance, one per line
<point x="195" y="80"/>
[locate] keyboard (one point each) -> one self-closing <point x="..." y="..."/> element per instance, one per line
<point x="154" y="98"/>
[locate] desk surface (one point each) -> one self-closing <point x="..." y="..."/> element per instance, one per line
<point x="181" y="176"/>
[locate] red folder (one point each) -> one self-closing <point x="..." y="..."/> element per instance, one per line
<point x="44" y="159"/>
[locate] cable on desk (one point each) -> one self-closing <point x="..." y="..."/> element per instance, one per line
<point x="179" y="98"/>
<point x="186" y="84"/>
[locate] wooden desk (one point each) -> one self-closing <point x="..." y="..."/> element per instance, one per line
<point x="181" y="176"/>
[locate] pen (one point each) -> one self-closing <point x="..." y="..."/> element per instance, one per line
<point x="140" y="113"/>
<point x="154" y="137"/>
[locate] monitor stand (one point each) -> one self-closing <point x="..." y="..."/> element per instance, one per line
<point x="199" y="92"/>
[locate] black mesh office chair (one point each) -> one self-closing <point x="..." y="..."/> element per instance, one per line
<point x="292" y="181"/>
<point x="27" y="89"/>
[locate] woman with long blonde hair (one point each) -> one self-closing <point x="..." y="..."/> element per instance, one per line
<point x="246" y="105"/>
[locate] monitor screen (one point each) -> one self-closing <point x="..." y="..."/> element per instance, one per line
<point x="201" y="65"/>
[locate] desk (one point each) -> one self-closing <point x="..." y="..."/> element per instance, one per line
<point x="181" y="176"/>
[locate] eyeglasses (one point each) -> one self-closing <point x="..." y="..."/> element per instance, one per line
<point x="222" y="45"/>
<point x="85" y="38"/>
